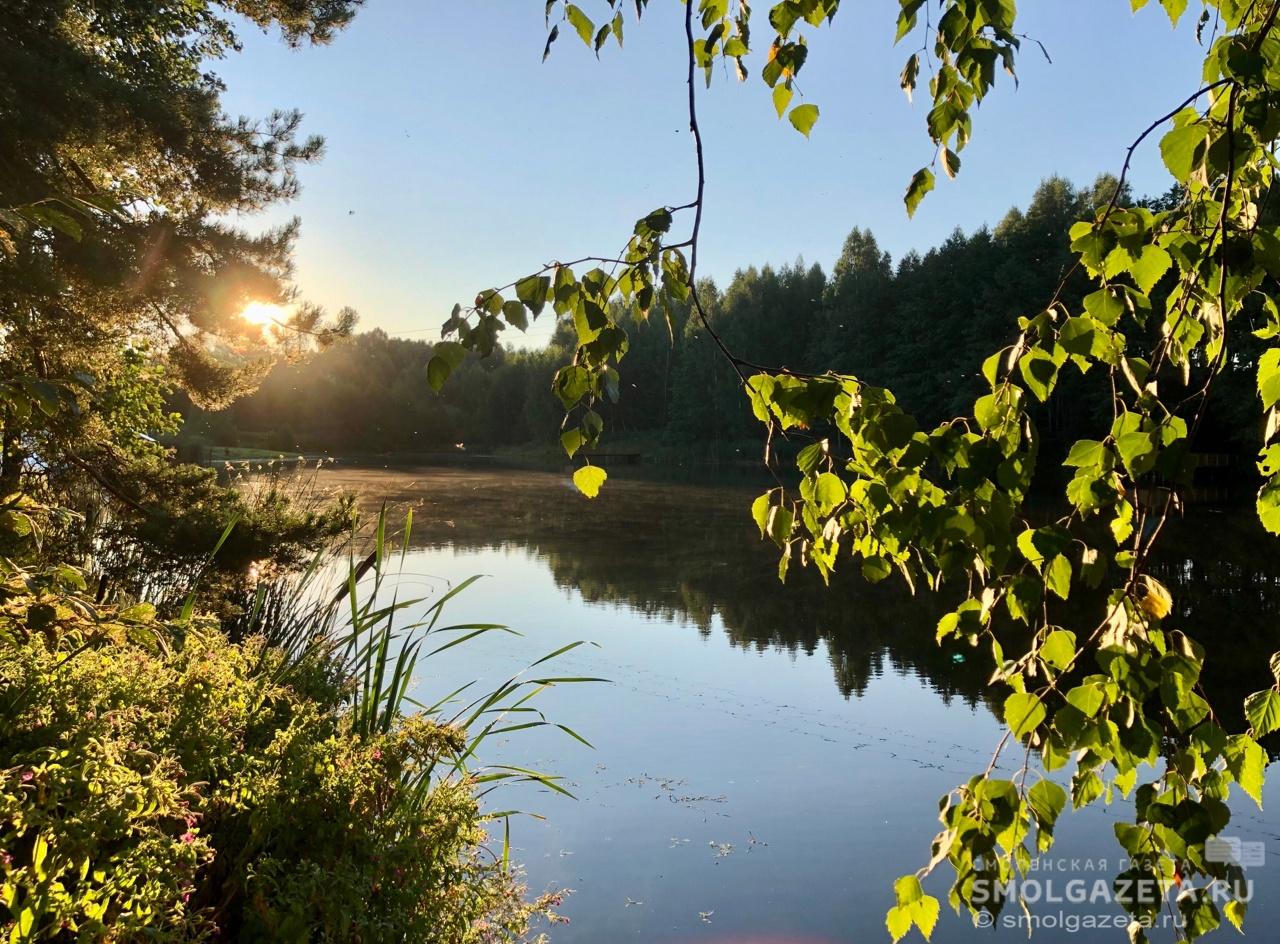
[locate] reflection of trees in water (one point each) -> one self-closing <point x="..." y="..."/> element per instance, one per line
<point x="691" y="554"/>
<point x="1226" y="594"/>
<point x="864" y="630"/>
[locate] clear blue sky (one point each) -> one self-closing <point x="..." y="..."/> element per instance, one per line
<point x="456" y="160"/>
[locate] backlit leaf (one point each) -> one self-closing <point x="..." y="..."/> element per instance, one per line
<point x="1023" y="713"/>
<point x="803" y="117"/>
<point x="1263" y="711"/>
<point x="588" y="480"/>
<point x="920" y="185"/>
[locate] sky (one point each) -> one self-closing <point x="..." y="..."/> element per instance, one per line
<point x="456" y="160"/>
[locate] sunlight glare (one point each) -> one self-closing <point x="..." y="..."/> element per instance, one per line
<point x="263" y="313"/>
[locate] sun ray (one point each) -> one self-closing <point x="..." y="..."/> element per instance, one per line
<point x="264" y="313"/>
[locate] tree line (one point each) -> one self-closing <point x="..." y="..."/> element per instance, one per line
<point x="918" y="327"/>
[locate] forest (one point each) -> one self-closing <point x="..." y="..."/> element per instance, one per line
<point x="919" y="327"/>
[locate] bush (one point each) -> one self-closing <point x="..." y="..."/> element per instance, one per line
<point x="161" y="782"/>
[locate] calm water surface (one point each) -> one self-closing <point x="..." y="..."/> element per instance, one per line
<point x="767" y="759"/>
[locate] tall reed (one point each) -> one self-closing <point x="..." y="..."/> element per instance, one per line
<point x="346" y="607"/>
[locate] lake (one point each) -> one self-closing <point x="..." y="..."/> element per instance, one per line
<point x="767" y="759"/>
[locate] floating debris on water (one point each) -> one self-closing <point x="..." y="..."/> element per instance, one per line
<point x="702" y="798"/>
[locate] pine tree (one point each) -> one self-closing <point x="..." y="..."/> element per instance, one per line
<point x="119" y="273"/>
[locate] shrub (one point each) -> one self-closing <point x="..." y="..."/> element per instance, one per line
<point x="161" y="782"/>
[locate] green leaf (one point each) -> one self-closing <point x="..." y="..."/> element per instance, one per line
<point x="1087" y="698"/>
<point x="783" y="16"/>
<point x="588" y="480"/>
<point x="1039" y="371"/>
<point x="1059" y="648"/>
<point x="899" y="922"/>
<point x="1269" y="505"/>
<point x="1247" y="761"/>
<point x="445" y="358"/>
<point x="950" y="162"/>
<point x="1269" y="377"/>
<point x="513" y="312"/>
<point x="1184" y="148"/>
<point x="1235" y="912"/>
<point x="580" y="22"/>
<point x="1175" y="9"/>
<point x="1086" y="786"/>
<point x="1105" y="306"/>
<point x="803" y="117"/>
<point x="910" y="71"/>
<point x="991" y="367"/>
<point x="829" y="491"/>
<point x="908" y="890"/>
<point x="534" y="292"/>
<point x="1186" y="708"/>
<point x="1137" y="452"/>
<point x="571" y="384"/>
<point x="781" y="98"/>
<point x="1023" y="713"/>
<point x="572" y="440"/>
<point x="920" y="184"/>
<point x="1057" y="576"/>
<point x="1024" y="596"/>
<point x="810" y="457"/>
<point x="779" y="524"/>
<point x="925" y="915"/>
<point x="1043" y="544"/>
<point x="1047" y="800"/>
<point x="1149" y="266"/>
<point x="1085" y="453"/>
<point x="760" y="512"/>
<point x="1199" y="913"/>
<point x="996" y="409"/>
<point x="1079" y="336"/>
<point x="907" y="17"/>
<point x="1263" y="711"/>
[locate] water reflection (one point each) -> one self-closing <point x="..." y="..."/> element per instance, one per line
<point x="689" y="552"/>
<point x="734" y="794"/>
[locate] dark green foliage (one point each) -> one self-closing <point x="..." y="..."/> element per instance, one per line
<point x="919" y="328"/>
<point x="120" y="277"/>
<point x="371" y="395"/>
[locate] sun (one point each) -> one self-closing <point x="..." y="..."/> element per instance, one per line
<point x="264" y="313"/>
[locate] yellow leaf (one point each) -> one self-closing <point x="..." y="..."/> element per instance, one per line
<point x="1154" y="597"/>
<point x="588" y="479"/>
